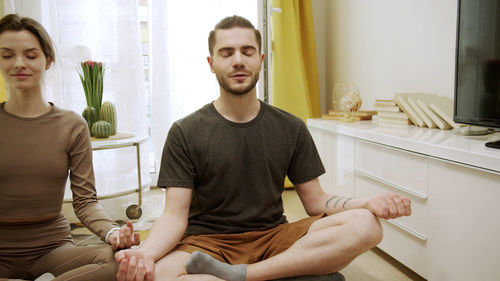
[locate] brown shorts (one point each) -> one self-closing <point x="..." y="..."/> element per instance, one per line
<point x="247" y="247"/>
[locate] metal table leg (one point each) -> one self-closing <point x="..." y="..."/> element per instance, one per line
<point x="134" y="211"/>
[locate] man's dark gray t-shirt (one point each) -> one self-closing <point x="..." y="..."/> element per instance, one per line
<point x="237" y="170"/>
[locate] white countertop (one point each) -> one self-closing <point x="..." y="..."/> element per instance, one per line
<point x="442" y="144"/>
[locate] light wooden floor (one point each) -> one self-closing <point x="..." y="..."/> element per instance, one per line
<point x="374" y="265"/>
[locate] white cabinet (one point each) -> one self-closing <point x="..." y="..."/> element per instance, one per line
<point x="380" y="169"/>
<point x="337" y="155"/>
<point x="454" y="230"/>
<point x="464" y="223"/>
<point x="399" y="169"/>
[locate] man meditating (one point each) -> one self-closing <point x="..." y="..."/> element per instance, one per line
<point x="223" y="168"/>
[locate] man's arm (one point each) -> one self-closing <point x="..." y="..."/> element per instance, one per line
<point x="172" y="224"/>
<point x="164" y="235"/>
<point x="316" y="201"/>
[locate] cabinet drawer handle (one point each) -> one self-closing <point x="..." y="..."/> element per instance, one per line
<point x="406" y="229"/>
<point x="395" y="186"/>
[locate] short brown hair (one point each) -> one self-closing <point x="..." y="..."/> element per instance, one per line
<point x="13" y="22"/>
<point x="228" y="23"/>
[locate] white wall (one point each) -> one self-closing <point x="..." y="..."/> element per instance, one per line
<point x="387" y="46"/>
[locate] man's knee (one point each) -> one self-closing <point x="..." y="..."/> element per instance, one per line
<point x="172" y="266"/>
<point x="368" y="228"/>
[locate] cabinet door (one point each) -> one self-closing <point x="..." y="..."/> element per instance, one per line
<point x="398" y="168"/>
<point x="380" y="169"/>
<point x="464" y="223"/>
<point x="337" y="154"/>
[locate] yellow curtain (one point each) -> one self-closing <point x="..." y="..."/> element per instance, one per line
<point x="294" y="75"/>
<point x="3" y="95"/>
<point x="294" y="81"/>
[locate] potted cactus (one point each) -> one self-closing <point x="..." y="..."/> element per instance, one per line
<point x="92" y="75"/>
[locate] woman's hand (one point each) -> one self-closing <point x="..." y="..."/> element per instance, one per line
<point x="125" y="237"/>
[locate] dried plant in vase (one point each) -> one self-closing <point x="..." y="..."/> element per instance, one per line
<point x="346" y="101"/>
<point x="92" y="77"/>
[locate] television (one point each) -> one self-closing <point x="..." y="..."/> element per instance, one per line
<point x="477" y="69"/>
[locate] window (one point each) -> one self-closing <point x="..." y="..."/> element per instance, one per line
<point x="177" y="73"/>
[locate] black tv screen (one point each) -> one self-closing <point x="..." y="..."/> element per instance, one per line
<point x="477" y="75"/>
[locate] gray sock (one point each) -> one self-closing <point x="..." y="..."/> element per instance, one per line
<point x="201" y="263"/>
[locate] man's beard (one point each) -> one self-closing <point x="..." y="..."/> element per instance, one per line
<point x="223" y="83"/>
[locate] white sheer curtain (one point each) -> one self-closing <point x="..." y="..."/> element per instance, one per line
<point x="107" y="31"/>
<point x="181" y="81"/>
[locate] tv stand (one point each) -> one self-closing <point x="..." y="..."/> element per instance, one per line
<point x="453" y="182"/>
<point x="493" y="144"/>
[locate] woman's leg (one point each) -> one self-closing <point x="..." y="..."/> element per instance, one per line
<point x="79" y="263"/>
<point x="14" y="268"/>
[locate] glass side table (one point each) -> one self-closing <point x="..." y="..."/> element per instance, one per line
<point x="133" y="211"/>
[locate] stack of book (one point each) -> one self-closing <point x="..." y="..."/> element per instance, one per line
<point x="426" y="110"/>
<point x="389" y="112"/>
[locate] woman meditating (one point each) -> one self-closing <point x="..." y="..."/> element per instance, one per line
<point x="40" y="144"/>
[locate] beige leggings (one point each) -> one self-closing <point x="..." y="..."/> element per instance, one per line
<point x="68" y="262"/>
<point x="29" y="250"/>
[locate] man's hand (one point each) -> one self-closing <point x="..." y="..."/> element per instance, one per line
<point x="134" y="266"/>
<point x="125" y="237"/>
<point x="389" y="205"/>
